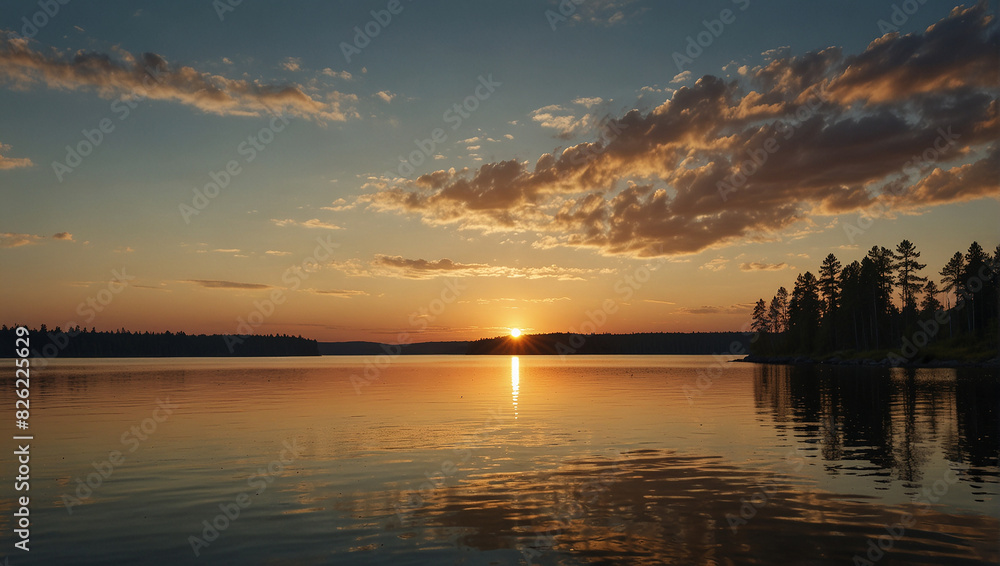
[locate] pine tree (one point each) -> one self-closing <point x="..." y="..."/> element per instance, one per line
<point x="779" y="308"/>
<point x="878" y="279"/>
<point x="828" y="283"/>
<point x="804" y="311"/>
<point x="760" y="323"/>
<point x="909" y="282"/>
<point x="930" y="305"/>
<point x="951" y="280"/>
<point x="851" y="304"/>
<point x="976" y="262"/>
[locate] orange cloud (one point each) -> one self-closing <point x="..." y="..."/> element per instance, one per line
<point x="722" y="161"/>
<point x="150" y="75"/>
<point x="12" y="162"/>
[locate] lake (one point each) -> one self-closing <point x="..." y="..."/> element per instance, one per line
<point x="506" y="460"/>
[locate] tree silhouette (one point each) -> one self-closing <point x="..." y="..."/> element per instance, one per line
<point x="909" y="282"/>
<point x="853" y="306"/>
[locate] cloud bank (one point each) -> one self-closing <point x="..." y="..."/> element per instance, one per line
<point x="911" y="122"/>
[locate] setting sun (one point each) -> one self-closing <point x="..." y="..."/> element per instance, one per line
<point x="515" y="332"/>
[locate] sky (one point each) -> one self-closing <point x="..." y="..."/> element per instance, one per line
<point x="358" y="170"/>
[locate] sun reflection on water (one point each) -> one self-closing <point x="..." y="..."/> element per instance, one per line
<point x="515" y="380"/>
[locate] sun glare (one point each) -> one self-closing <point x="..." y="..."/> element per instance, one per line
<point x="515" y="332"/>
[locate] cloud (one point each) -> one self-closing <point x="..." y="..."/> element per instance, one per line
<point x="14" y="240"/>
<point x="403" y="268"/>
<point x="12" y="162"/>
<point x="126" y="75"/>
<point x="227" y="250"/>
<point x="742" y="308"/>
<point x="681" y="178"/>
<point x="340" y="293"/>
<point x="385" y="96"/>
<point x="757" y="266"/>
<point x="214" y="284"/>
<point x="292" y="64"/>
<point x="658" y="302"/>
<point x="544" y="300"/>
<point x="557" y="118"/>
<point x="603" y="12"/>
<point x="343" y="75"/>
<point x="313" y="223"/>
<point x="339" y="205"/>
<point x="717" y="264"/>
<point x="277" y="253"/>
<point x="124" y="250"/>
<point x="589" y="102"/>
<point x="681" y="77"/>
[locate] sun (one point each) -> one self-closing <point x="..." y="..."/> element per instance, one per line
<point x="515" y="332"/>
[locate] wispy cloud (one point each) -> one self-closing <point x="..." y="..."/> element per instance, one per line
<point x="340" y="293"/>
<point x="758" y="266"/>
<point x="12" y="162"/>
<point x="717" y="264"/>
<point x="339" y="205"/>
<point x="216" y="284"/>
<point x="403" y="268"/>
<point x="122" y="74"/>
<point x="741" y="308"/>
<point x="313" y="223"/>
<point x="16" y="240"/>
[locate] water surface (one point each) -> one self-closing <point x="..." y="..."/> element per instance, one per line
<point x="500" y="460"/>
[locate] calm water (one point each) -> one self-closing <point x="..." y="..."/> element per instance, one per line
<point x="499" y="460"/>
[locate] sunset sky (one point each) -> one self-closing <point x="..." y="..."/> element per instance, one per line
<point x="584" y="149"/>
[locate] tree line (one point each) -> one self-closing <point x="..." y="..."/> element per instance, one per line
<point x="561" y="344"/>
<point x="882" y="302"/>
<point x="79" y="342"/>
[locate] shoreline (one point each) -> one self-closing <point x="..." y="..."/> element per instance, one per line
<point x="869" y="362"/>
